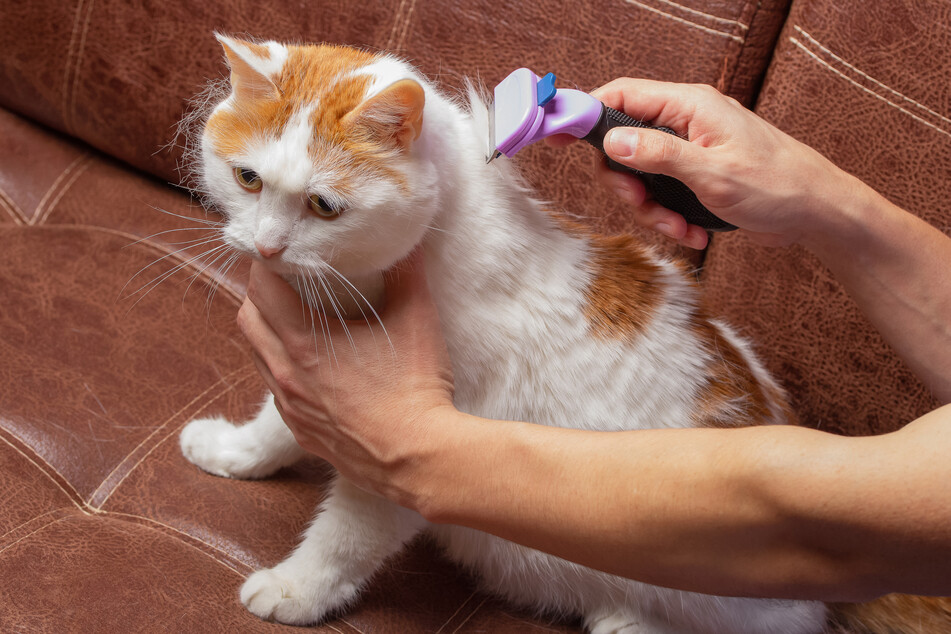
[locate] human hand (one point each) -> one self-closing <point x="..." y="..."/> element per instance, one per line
<point x="743" y="169"/>
<point x="357" y="396"/>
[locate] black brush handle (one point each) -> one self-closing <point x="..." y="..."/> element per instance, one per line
<point x="668" y="191"/>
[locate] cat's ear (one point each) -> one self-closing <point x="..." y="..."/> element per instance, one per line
<point x="251" y="67"/>
<point x="393" y="115"/>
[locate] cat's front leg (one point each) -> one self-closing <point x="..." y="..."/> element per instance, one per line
<point x="347" y="542"/>
<point x="253" y="450"/>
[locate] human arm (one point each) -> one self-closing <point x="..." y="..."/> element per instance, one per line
<point x="779" y="192"/>
<point x="768" y="511"/>
<point x="762" y="511"/>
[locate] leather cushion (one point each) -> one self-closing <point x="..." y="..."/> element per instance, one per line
<point x="848" y="79"/>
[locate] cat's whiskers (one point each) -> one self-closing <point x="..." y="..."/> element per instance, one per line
<point x="210" y="223"/>
<point x="150" y="286"/>
<point x="216" y="281"/>
<point x="349" y="285"/>
<point x="201" y="271"/>
<point x="166" y="256"/>
<point x="439" y="229"/>
<point x="305" y="283"/>
<point x="309" y="288"/>
<point x="333" y="304"/>
<point x="161" y="233"/>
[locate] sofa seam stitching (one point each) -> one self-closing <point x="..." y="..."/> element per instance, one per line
<point x="684" y="21"/>
<point x="879" y="96"/>
<point x="75" y="497"/>
<point x="736" y="66"/>
<point x="42" y="211"/>
<point x="865" y="75"/>
<point x="471" y="614"/>
<point x="245" y="376"/>
<point x="187" y="537"/>
<point x="78" y="67"/>
<point x="43" y="527"/>
<point x="12" y="208"/>
<point x="234" y="295"/>
<point x="458" y="610"/>
<point x="710" y="16"/>
<point x="69" y="58"/>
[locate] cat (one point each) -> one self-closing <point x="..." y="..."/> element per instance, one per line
<point x="328" y="163"/>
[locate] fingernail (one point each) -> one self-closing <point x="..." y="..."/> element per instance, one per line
<point x="662" y="227"/>
<point x="623" y="142"/>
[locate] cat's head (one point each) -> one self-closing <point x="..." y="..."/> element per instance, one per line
<point x="311" y="157"/>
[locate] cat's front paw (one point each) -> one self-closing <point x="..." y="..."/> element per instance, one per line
<point x="282" y="595"/>
<point x="219" y="447"/>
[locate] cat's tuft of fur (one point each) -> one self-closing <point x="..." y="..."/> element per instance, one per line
<point x="544" y="320"/>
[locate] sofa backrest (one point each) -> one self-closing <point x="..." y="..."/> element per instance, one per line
<point x="118" y="75"/>
<point x="868" y="84"/>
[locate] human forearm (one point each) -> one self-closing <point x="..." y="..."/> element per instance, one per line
<point x="896" y="268"/>
<point x="758" y="511"/>
<point x="779" y="191"/>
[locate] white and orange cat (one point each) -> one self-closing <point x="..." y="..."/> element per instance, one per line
<point x="331" y="164"/>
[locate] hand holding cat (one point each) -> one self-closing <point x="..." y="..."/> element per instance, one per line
<point x="352" y="393"/>
<point x="741" y="167"/>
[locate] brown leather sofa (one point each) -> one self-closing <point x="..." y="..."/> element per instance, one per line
<point x="110" y="341"/>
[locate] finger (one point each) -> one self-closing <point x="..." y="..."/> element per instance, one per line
<point x="407" y="299"/>
<point x="626" y="186"/>
<point x="652" y="215"/>
<point x="656" y="152"/>
<point x="695" y="238"/>
<point x="266" y="346"/>
<point x="662" y="103"/>
<point x="278" y="303"/>
<point x="656" y="217"/>
<point x="645" y="212"/>
<point x="267" y="375"/>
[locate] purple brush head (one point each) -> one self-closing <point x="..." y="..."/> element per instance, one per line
<point x="527" y="108"/>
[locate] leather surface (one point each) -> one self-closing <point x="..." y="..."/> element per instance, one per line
<point x="849" y="79"/>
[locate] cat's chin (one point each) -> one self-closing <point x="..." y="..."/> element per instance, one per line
<point x="347" y="296"/>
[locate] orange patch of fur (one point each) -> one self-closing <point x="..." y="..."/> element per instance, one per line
<point x="623" y="295"/>
<point x="310" y="73"/>
<point x="893" y="614"/>
<point x="732" y="395"/>
<point x="623" y="298"/>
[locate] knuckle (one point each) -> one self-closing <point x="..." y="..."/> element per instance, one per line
<point x="286" y="381"/>
<point x="732" y="102"/>
<point x="301" y="349"/>
<point x="244" y="319"/>
<point x="671" y="151"/>
<point x="661" y="148"/>
<point x="707" y="90"/>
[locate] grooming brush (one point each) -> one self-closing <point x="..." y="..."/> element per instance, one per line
<point x="527" y="108"/>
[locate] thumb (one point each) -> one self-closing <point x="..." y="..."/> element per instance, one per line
<point x="654" y="152"/>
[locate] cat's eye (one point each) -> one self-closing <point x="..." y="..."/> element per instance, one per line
<point x="248" y="179"/>
<point x="322" y="208"/>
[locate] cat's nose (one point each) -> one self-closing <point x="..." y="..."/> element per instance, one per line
<point x="267" y="251"/>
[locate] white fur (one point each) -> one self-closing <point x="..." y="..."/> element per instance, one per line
<point x="509" y="284"/>
<point x="269" y="66"/>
